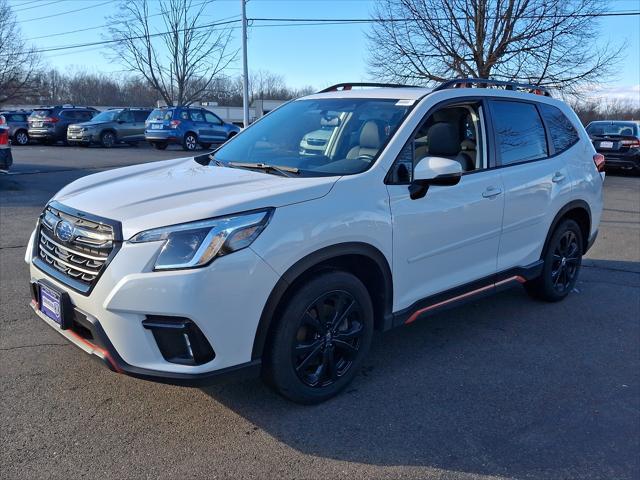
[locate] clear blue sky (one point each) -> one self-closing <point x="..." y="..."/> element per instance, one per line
<point x="304" y="55"/>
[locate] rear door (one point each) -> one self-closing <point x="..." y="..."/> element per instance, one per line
<point x="126" y="126"/>
<point x="536" y="180"/>
<point x="139" y="119"/>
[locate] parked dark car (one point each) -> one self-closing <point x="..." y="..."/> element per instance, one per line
<point x="110" y="127"/>
<point x="618" y="141"/>
<point x="6" y="160"/>
<point x="18" y="125"/>
<point x="187" y="126"/>
<point x="49" y="124"/>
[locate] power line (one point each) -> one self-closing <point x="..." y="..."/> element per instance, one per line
<point x="65" y="13"/>
<point x="137" y="37"/>
<point x="36" y="6"/>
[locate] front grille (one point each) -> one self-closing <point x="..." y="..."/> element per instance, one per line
<point x="82" y="253"/>
<point x="75" y="130"/>
<point x="316" y="142"/>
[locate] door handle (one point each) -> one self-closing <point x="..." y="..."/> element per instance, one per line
<point x="557" y="177"/>
<point x="491" y="192"/>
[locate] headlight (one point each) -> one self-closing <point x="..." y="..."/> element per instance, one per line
<point x="195" y="244"/>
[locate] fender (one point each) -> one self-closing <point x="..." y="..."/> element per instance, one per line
<point x="575" y="204"/>
<point x="307" y="263"/>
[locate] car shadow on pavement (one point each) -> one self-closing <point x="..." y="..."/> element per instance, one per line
<point x="504" y="386"/>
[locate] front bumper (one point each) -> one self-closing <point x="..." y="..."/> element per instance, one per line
<point x="86" y="138"/>
<point x="225" y="300"/>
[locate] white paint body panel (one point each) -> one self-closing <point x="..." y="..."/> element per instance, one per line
<point x="454" y="235"/>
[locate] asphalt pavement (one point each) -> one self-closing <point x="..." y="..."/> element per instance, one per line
<point x="505" y="387"/>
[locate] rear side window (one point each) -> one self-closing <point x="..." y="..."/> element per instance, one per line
<point x="140" y="115"/>
<point x="519" y="132"/>
<point x="197" y="116"/>
<point x="563" y="133"/>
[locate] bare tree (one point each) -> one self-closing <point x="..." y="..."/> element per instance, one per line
<point x="545" y="42"/>
<point x="181" y="57"/>
<point x="18" y="63"/>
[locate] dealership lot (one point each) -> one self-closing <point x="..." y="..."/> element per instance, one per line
<point x="505" y="387"/>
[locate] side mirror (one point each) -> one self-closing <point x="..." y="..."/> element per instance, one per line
<point x="434" y="171"/>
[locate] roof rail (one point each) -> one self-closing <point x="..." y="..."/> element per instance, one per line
<point x="348" y="86"/>
<point x="487" y="82"/>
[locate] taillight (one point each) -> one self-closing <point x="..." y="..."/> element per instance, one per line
<point x="2" y="120"/>
<point x="631" y="143"/>
<point x="51" y="119"/>
<point x="598" y="159"/>
<point x="4" y="137"/>
<point x="174" y="123"/>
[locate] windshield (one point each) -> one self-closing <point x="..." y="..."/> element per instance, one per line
<point x="108" y="116"/>
<point x="161" y="114"/>
<point x="319" y="137"/>
<point x="612" y="128"/>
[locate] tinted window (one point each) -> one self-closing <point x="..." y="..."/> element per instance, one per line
<point x="197" y="116"/>
<point x="161" y="114"/>
<point x="612" y="128"/>
<point x="563" y="133"/>
<point x="41" y="113"/>
<point x="140" y="115"/>
<point x="519" y="132"/>
<point x="126" y="116"/>
<point x="211" y="118"/>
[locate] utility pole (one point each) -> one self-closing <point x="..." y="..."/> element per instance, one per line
<point x="245" y="68"/>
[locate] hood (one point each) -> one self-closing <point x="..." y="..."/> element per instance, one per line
<point x="176" y="191"/>
<point x="88" y="124"/>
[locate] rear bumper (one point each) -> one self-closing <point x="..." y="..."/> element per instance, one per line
<point x="626" y="161"/>
<point x="43" y="134"/>
<point x="167" y="136"/>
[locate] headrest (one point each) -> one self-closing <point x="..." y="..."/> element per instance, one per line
<point x="370" y="135"/>
<point x="444" y="140"/>
<point x="626" y="131"/>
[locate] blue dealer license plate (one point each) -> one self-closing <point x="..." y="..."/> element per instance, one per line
<point x="51" y="304"/>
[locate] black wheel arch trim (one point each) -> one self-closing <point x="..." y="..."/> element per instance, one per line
<point x="309" y="262"/>
<point x="573" y="205"/>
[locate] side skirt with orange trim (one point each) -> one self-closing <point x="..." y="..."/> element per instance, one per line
<point x="465" y="293"/>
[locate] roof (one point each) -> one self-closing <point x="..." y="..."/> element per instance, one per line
<point x="409" y="93"/>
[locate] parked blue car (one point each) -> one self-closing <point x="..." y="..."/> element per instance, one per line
<point x="187" y="126"/>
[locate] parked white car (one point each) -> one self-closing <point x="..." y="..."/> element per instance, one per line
<point x="258" y="257"/>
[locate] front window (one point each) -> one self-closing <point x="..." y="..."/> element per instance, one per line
<point x="108" y="116"/>
<point x="319" y="137"/>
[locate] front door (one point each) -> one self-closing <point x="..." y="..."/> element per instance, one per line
<point x="449" y="237"/>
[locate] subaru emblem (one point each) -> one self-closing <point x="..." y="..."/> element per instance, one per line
<point x="64" y="230"/>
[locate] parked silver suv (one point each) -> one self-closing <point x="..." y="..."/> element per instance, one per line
<point x="110" y="127"/>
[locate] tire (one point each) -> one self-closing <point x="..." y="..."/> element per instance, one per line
<point x="190" y="142"/>
<point x="159" y="145"/>
<point x="332" y="355"/>
<point x="108" y="139"/>
<point x="21" y="137"/>
<point x="562" y="261"/>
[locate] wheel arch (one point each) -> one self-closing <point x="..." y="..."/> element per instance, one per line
<point x="578" y="211"/>
<point x="361" y="259"/>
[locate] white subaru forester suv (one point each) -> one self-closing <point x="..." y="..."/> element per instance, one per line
<point x="269" y="256"/>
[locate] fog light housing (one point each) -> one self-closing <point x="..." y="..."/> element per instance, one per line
<point x="179" y="340"/>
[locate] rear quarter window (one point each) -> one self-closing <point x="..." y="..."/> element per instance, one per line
<point x="519" y="131"/>
<point x="563" y="133"/>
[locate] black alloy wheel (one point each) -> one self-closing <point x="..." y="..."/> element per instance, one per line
<point x="108" y="139"/>
<point x="320" y="337"/>
<point x="328" y="339"/>
<point x="562" y="261"/>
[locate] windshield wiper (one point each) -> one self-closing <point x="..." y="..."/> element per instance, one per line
<point x="281" y="170"/>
